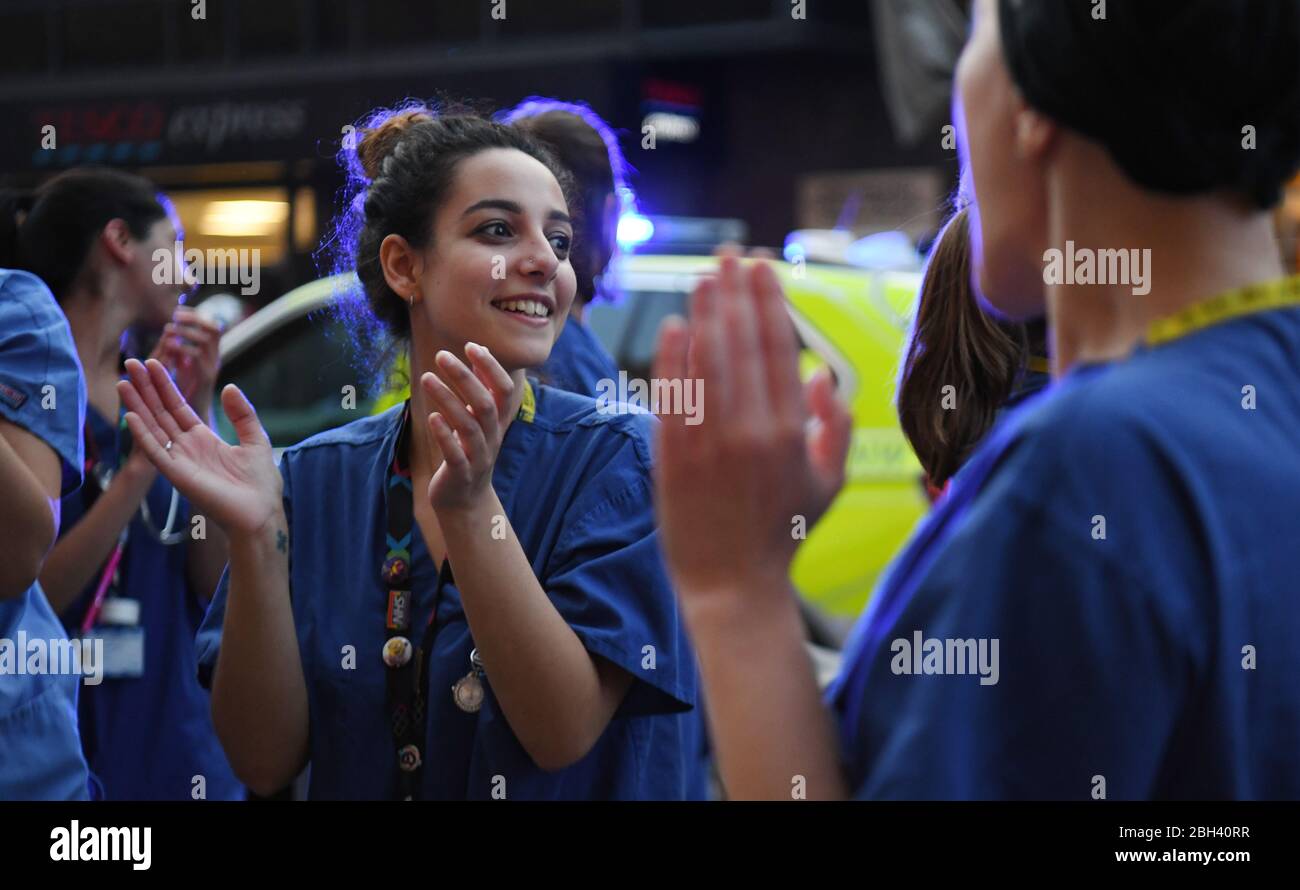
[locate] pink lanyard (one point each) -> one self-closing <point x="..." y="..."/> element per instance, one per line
<point x="105" y="581"/>
<point x="115" y="557"/>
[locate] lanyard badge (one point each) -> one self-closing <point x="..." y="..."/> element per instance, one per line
<point x="467" y="692"/>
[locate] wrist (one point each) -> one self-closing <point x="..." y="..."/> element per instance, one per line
<point x="137" y="472"/>
<point x="748" y="605"/>
<point x="473" y="513"/>
<point x="261" y="539"/>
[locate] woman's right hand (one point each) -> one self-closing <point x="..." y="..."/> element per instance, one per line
<point x="237" y="486"/>
<point x="731" y="489"/>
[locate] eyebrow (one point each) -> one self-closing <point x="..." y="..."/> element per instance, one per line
<point x="511" y="207"/>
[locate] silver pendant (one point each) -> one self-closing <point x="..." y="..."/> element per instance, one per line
<point x="467" y="692"/>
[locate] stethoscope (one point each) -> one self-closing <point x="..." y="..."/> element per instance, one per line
<point x="168" y="536"/>
<point x="103" y="474"/>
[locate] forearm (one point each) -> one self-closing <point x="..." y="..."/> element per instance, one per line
<point x="767" y="722"/>
<point x="205" y="560"/>
<point x="79" y="555"/>
<point x="259" y="694"/>
<point x="28" y="524"/>
<point x="206" y="557"/>
<point x="550" y="689"/>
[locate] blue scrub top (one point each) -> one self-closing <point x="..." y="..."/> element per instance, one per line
<point x="576" y="488"/>
<point x="147" y="737"/>
<point x="1161" y="657"/>
<point x="40" y="753"/>
<point x="578" y="361"/>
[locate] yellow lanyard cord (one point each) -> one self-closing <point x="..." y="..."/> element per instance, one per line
<point x="527" y="407"/>
<point x="1233" y="304"/>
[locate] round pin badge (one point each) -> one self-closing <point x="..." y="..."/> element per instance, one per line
<point x="397" y="652"/>
<point x="408" y="758"/>
<point x="396" y="570"/>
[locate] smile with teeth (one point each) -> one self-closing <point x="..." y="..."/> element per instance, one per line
<point x="533" y="308"/>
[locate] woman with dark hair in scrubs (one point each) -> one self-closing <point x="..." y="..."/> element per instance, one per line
<point x="42" y="405"/>
<point x="1103" y="606"/>
<point x="126" y="569"/>
<point x="463" y="596"/>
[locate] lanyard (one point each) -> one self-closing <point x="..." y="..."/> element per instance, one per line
<point x="408" y="667"/>
<point x="1039" y="364"/>
<point x="1233" y="304"/>
<point x="109" y="577"/>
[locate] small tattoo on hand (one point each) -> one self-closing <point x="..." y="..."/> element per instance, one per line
<point x="281" y="541"/>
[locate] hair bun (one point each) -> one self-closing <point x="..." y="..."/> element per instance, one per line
<point x="378" y="142"/>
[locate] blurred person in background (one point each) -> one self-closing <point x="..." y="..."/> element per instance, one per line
<point x="990" y="364"/>
<point x="126" y="568"/>
<point x="589" y="150"/>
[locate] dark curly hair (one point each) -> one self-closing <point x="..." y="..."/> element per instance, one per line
<point x="401" y="169"/>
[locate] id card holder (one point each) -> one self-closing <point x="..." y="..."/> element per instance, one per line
<point x="123" y="652"/>
<point x="122" y="639"/>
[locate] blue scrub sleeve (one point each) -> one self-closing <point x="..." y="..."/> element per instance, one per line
<point x="578" y="361"/>
<point x="607" y="579"/>
<point x="1091" y="664"/>
<point x="207" y="642"/>
<point x="41" y="386"/>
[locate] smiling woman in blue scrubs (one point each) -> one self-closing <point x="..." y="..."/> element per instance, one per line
<point x="462" y="597"/>
<point x="126" y="572"/>
<point x="1104" y="604"/>
<point x="42" y="403"/>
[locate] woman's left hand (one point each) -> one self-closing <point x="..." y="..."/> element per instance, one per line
<point x="190" y="347"/>
<point x="473" y="412"/>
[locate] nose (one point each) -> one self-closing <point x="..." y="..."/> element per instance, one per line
<point x="539" y="261"/>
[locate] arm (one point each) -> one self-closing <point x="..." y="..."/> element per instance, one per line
<point x="79" y="555"/>
<point x="766" y="718"/>
<point x="191" y="344"/>
<point x="259" y="695"/>
<point x="205" y="560"/>
<point x="556" y="696"/>
<point x="30" y="477"/>
<point x="728" y="544"/>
